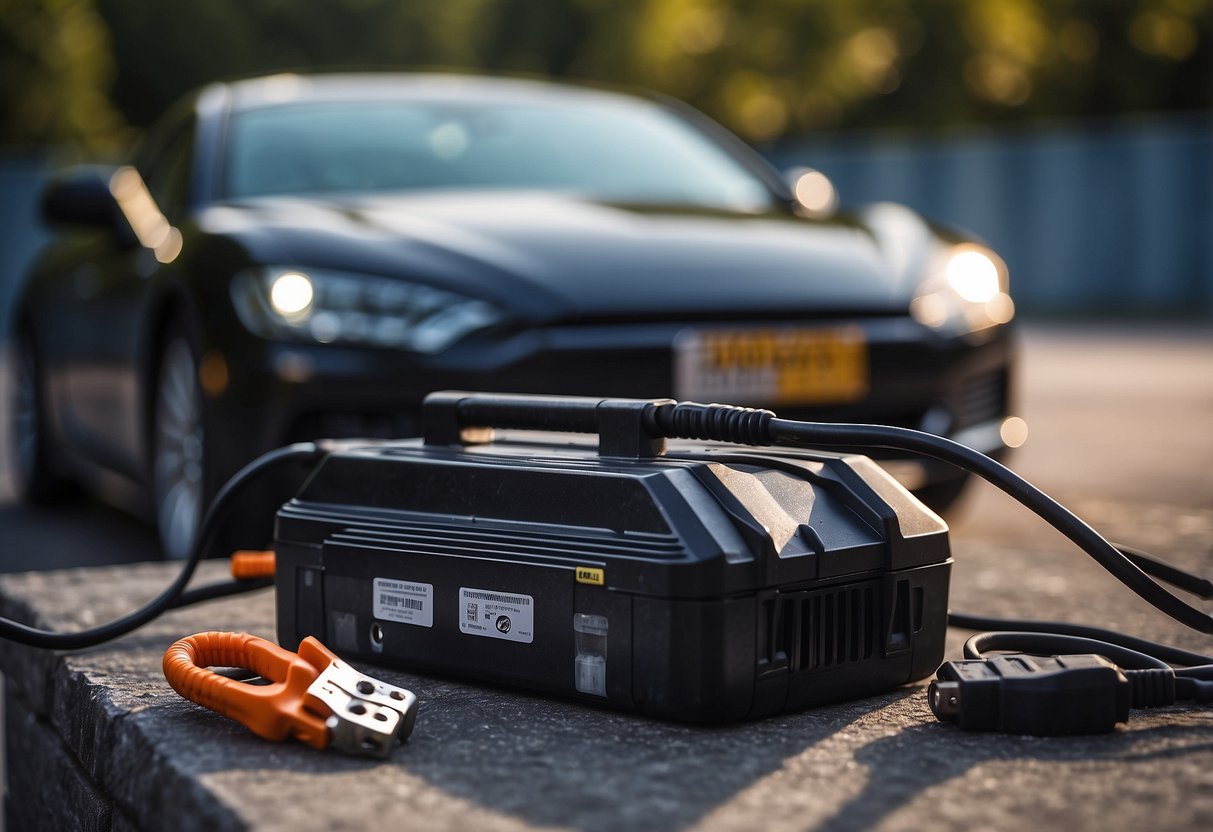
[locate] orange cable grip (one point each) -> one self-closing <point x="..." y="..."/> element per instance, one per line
<point x="276" y="711"/>
<point x="247" y="564"/>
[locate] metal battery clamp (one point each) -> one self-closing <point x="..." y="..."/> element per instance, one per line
<point x="313" y="696"/>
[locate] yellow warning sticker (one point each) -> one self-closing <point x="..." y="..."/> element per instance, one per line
<point x="591" y="575"/>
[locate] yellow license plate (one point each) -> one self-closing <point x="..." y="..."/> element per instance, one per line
<point x="772" y="366"/>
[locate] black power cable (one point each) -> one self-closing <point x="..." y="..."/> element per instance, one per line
<point x="1197" y="585"/>
<point x="1161" y="652"/>
<point x="175" y="595"/>
<point x="222" y="589"/>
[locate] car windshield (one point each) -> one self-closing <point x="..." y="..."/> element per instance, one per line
<point x="613" y="150"/>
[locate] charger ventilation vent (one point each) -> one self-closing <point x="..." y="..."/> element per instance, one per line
<point x="810" y="631"/>
<point x="838" y="627"/>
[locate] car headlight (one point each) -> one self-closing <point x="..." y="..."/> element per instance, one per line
<point x="965" y="291"/>
<point x="331" y="307"/>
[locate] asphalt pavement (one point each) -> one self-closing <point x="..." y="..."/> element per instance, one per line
<point x="1121" y="431"/>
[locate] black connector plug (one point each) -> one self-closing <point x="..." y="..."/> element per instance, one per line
<point x="1021" y="694"/>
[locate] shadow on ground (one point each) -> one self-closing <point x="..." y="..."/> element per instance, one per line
<point x="82" y="533"/>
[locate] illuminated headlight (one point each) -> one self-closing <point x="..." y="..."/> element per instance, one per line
<point x="291" y="295"/>
<point x="339" y="308"/>
<point x="965" y="291"/>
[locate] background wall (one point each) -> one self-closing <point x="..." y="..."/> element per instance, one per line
<point x="1112" y="218"/>
<point x="21" y="231"/>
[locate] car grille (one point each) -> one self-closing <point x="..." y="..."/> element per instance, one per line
<point x="981" y="398"/>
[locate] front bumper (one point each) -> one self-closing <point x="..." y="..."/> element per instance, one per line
<point x="292" y="392"/>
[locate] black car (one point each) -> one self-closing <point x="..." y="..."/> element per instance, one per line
<point x="301" y="256"/>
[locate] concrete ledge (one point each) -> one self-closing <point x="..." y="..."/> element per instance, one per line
<point x="47" y="788"/>
<point x="97" y="740"/>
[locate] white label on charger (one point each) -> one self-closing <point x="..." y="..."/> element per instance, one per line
<point x="496" y="614"/>
<point x="408" y="602"/>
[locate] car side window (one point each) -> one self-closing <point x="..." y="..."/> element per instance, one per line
<point x="168" y="173"/>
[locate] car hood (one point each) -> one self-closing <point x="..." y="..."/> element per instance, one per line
<point x="555" y="257"/>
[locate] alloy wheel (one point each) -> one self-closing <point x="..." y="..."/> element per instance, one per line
<point x="24" y="418"/>
<point x="178" y="448"/>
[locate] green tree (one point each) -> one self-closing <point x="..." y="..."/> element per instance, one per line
<point x="56" y="73"/>
<point x="765" y="68"/>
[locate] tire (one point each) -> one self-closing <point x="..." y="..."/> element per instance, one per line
<point x="178" y="442"/>
<point x="943" y="495"/>
<point x="34" y="479"/>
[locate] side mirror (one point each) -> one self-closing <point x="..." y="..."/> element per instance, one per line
<point x="813" y="191"/>
<point x="81" y="196"/>
<point x="85" y="195"/>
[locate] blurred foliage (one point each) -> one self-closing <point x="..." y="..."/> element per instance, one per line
<point x="56" y="73"/>
<point x="765" y="69"/>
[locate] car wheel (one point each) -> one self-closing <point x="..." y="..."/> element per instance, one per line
<point x="943" y="495"/>
<point x="33" y="479"/>
<point x="178" y="447"/>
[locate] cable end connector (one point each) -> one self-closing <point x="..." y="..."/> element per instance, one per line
<point x="710" y="422"/>
<point x="1020" y="694"/>
<point x="369" y="717"/>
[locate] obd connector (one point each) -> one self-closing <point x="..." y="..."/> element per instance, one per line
<point x="1021" y="694"/>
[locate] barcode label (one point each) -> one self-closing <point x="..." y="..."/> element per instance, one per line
<point x="477" y="595"/>
<point x="398" y="602"/>
<point x="504" y="615"/>
<point x="408" y="602"/>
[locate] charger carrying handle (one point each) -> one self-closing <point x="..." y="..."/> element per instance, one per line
<point x="453" y="417"/>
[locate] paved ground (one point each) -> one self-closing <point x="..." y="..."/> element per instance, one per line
<point x="1119" y="414"/>
<point x="1120" y="421"/>
<point x="1121" y="431"/>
